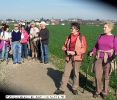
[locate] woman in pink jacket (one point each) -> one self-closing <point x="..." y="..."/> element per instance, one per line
<point x="24" y="42"/>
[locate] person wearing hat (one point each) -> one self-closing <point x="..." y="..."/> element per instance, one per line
<point x="16" y="36"/>
<point x="44" y="40"/>
<point x="34" y="40"/>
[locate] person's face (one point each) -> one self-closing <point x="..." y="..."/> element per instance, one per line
<point x="16" y="27"/>
<point x="106" y="29"/>
<point x="42" y="26"/>
<point x="29" y="25"/>
<point x="39" y="26"/>
<point x="33" y="25"/>
<point x="7" y="29"/>
<point x="22" y="28"/>
<point x="73" y="29"/>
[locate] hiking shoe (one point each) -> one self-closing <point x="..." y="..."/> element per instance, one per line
<point x="95" y="95"/>
<point x="19" y="63"/>
<point x="41" y="62"/>
<point x="14" y="63"/>
<point x="104" y="96"/>
<point x="58" y="91"/>
<point x="75" y="92"/>
<point x="2" y="60"/>
<point x="46" y="62"/>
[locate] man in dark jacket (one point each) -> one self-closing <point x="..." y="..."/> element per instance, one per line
<point x="44" y="40"/>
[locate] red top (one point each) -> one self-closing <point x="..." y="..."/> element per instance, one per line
<point x="73" y="41"/>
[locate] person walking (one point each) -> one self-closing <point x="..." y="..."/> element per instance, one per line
<point x="74" y="48"/>
<point x="44" y="41"/>
<point x="105" y="47"/>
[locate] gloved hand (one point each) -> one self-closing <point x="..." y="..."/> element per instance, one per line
<point x="90" y="53"/>
<point x="113" y="56"/>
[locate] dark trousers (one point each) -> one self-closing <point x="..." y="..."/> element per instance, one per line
<point x="24" y="50"/>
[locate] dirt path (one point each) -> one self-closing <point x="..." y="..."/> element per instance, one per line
<point x="34" y="78"/>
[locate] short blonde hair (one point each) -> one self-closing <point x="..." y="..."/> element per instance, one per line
<point x="110" y="24"/>
<point x="33" y="23"/>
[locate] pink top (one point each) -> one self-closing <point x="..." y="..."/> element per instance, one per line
<point x="25" y="39"/>
<point x="105" y="42"/>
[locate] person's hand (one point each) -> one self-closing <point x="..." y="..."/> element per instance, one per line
<point x="31" y="36"/>
<point x="6" y="39"/>
<point x="70" y="53"/>
<point x="40" y="38"/>
<point x="90" y="53"/>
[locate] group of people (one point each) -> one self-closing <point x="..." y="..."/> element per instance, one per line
<point x="25" y="39"/>
<point x="105" y="50"/>
<point x="75" y="47"/>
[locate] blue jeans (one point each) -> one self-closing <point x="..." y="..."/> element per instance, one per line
<point x="4" y="53"/>
<point x="0" y="53"/>
<point x="44" y="53"/>
<point x="24" y="50"/>
<point x="16" y="46"/>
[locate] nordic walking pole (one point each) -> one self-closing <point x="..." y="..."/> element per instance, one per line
<point x="89" y="59"/>
<point x="41" y="47"/>
<point x="7" y="61"/>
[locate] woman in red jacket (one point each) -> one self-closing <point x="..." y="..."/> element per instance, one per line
<point x="74" y="48"/>
<point x="24" y="42"/>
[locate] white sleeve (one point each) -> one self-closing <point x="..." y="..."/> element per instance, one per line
<point x="22" y="36"/>
<point x="9" y="35"/>
<point x="31" y="30"/>
<point x="1" y="34"/>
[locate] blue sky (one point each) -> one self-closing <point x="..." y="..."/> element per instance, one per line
<point x="58" y="9"/>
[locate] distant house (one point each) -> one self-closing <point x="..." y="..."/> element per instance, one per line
<point x="55" y="21"/>
<point x="72" y="19"/>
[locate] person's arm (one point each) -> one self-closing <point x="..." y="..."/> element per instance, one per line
<point x="27" y="36"/>
<point x="94" y="50"/>
<point x="115" y="46"/>
<point x="83" y="48"/>
<point x="1" y="37"/>
<point x="22" y="37"/>
<point x="64" y="47"/>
